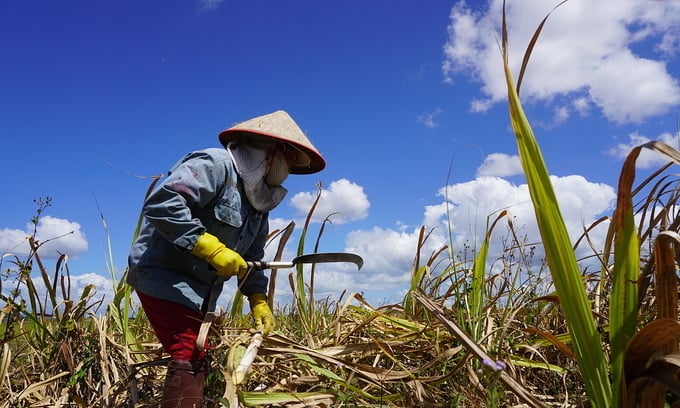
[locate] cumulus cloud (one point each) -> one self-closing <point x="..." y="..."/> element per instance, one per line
<point x="501" y="165"/>
<point x="472" y="202"/>
<point x="581" y="48"/>
<point x="461" y="219"/>
<point x="100" y="291"/>
<point x="388" y="251"/>
<point x="388" y="259"/>
<point x="55" y="235"/>
<point x="346" y="201"/>
<point x="647" y="158"/>
<point x="471" y="206"/>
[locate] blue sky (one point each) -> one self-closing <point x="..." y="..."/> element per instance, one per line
<point x="405" y="100"/>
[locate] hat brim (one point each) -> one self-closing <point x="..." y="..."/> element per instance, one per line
<point x="315" y="163"/>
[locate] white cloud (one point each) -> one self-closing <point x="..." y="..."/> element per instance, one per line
<point x="670" y="43"/>
<point x="501" y="165"/>
<point x="481" y="105"/>
<point x="561" y="114"/>
<point x="646" y="89"/>
<point x="386" y="249"/>
<point x="647" y="158"/>
<point x="103" y="287"/>
<point x="429" y="120"/>
<point x="208" y="5"/>
<point x="472" y="205"/>
<point x="55" y="236"/>
<point x="100" y="294"/>
<point x="582" y="47"/>
<point x="344" y="199"/>
<point x="581" y="105"/>
<point x="464" y="212"/>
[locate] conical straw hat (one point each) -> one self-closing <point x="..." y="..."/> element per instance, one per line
<point x="281" y="127"/>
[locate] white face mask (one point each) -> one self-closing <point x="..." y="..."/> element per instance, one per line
<point x="278" y="170"/>
<point x="251" y="165"/>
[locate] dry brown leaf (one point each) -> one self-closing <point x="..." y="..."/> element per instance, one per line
<point x="645" y="346"/>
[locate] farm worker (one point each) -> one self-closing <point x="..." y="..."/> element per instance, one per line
<point x="200" y="226"/>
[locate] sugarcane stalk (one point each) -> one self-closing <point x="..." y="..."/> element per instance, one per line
<point x="248" y="358"/>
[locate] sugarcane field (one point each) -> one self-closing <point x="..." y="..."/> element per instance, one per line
<point x="382" y="204"/>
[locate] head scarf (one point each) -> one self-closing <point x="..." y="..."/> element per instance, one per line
<point x="251" y="164"/>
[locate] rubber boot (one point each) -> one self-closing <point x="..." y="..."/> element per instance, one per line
<point x="184" y="384"/>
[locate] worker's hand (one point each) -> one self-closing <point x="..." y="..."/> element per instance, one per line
<point x="264" y="318"/>
<point x="225" y="261"/>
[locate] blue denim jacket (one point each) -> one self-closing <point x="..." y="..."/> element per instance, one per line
<point x="202" y="192"/>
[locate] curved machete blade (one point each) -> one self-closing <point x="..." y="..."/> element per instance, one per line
<point x="329" y="257"/>
<point x="309" y="259"/>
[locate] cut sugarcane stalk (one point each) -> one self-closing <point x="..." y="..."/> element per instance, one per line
<point x="241" y="370"/>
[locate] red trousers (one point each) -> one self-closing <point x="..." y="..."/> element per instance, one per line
<point x="175" y="325"/>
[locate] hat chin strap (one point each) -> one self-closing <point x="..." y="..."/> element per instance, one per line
<point x="251" y="165"/>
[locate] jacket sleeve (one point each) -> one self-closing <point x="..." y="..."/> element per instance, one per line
<point x="192" y="183"/>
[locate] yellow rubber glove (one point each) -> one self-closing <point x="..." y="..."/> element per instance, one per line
<point x="225" y="261"/>
<point x="264" y="318"/>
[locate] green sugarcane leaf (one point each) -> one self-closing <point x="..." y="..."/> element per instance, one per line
<point x="561" y="259"/>
<point x="477" y="298"/>
<point x="560" y="256"/>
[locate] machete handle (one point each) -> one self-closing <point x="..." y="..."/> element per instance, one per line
<point x="259" y="265"/>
